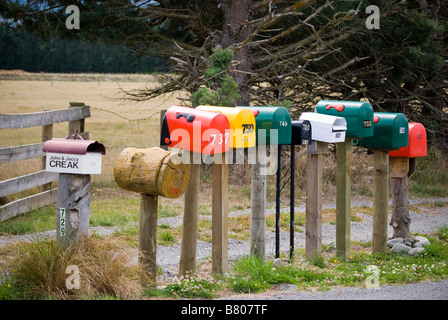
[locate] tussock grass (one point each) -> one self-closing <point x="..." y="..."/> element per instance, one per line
<point x="39" y="270"/>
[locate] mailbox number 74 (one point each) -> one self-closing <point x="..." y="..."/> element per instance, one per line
<point x="220" y="138"/>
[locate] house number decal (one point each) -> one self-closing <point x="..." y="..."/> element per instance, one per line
<point x="62" y="220"/>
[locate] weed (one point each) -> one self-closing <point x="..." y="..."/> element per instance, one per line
<point x="191" y="287"/>
<point x="442" y="233"/>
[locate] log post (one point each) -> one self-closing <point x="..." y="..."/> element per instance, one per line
<point x="343" y="197"/>
<point x="315" y="153"/>
<point x="380" y="200"/>
<point x="190" y="221"/>
<point x="258" y="206"/>
<point x="220" y="215"/>
<point x="148" y="236"/>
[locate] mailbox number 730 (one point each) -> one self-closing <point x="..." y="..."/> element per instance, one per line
<point x="220" y="138"/>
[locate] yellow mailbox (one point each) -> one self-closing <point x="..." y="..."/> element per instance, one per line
<point x="242" y="125"/>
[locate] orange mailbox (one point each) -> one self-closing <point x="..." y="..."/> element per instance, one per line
<point x="195" y="130"/>
<point x="417" y="143"/>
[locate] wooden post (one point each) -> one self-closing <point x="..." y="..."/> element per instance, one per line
<point x="258" y="206"/>
<point x="190" y="221"/>
<point x="400" y="220"/>
<point x="380" y="200"/>
<point x="148" y="236"/>
<point x="220" y="216"/>
<point x="47" y="134"/>
<point x="315" y="153"/>
<point x="343" y="197"/>
<point x="72" y="207"/>
<point x="77" y="124"/>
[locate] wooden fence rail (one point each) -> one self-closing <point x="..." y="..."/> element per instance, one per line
<point x="75" y="115"/>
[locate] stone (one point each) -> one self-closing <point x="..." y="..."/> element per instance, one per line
<point x="392" y="242"/>
<point x="417" y="244"/>
<point x="423" y="240"/>
<point x="400" y="247"/>
<point x="415" y="251"/>
<point x="277" y="262"/>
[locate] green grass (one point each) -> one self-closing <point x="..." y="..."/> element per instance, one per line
<point x="37" y="220"/>
<point x="251" y="275"/>
<point x="430" y="177"/>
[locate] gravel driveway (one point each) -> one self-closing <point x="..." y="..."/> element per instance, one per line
<point x="425" y="221"/>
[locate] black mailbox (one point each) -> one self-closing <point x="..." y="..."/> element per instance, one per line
<point x="301" y="132"/>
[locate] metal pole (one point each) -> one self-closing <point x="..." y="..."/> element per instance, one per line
<point x="277" y="205"/>
<point x="291" y="204"/>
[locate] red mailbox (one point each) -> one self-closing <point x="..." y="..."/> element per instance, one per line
<point x="417" y="143"/>
<point x="195" y="130"/>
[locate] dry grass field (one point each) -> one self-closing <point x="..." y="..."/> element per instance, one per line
<point x="116" y="133"/>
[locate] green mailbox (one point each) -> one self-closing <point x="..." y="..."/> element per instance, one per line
<point x="358" y="114"/>
<point x="391" y="132"/>
<point x="272" y="118"/>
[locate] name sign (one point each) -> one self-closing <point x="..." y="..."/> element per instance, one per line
<point x="89" y="163"/>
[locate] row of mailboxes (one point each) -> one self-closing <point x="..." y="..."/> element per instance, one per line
<point x="213" y="129"/>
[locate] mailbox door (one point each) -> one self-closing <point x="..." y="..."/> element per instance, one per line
<point x="326" y="128"/>
<point x="195" y="130"/>
<point x="301" y="132"/>
<point x="391" y="132"/>
<point x="358" y="114"/>
<point x="241" y="122"/>
<point x="417" y="143"/>
<point x="268" y="118"/>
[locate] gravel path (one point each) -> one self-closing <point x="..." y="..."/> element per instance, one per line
<point x="427" y="219"/>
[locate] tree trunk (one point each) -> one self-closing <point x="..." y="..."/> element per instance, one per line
<point x="235" y="30"/>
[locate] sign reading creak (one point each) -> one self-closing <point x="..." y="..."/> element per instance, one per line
<point x="74" y="156"/>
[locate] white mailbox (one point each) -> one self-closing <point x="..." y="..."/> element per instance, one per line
<point x="74" y="156"/>
<point x="326" y="128"/>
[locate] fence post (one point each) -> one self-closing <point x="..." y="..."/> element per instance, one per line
<point x="47" y="134"/>
<point x="77" y="124"/>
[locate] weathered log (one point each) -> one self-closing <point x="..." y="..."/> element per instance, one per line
<point x="151" y="171"/>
